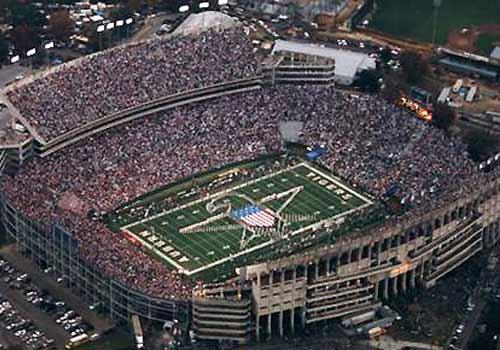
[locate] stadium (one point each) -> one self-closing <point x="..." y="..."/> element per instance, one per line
<point x="186" y="178"/>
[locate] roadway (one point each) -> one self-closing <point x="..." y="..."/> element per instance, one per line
<point x="487" y="278"/>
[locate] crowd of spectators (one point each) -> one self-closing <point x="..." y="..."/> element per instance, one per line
<point x="372" y="144"/>
<point x="388" y="152"/>
<point x="133" y="159"/>
<point x="127" y="76"/>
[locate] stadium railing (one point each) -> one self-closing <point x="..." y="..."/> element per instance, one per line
<point x="148" y="108"/>
<point x="54" y="246"/>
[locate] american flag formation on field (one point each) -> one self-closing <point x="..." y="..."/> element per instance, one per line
<point x="253" y="216"/>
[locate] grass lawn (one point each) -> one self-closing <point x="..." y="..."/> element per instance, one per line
<point x="207" y="231"/>
<point x="484" y="43"/>
<point x="414" y="18"/>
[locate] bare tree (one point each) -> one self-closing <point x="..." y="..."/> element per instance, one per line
<point x="61" y="25"/>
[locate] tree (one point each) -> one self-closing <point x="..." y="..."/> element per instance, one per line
<point x="61" y="25"/>
<point x="392" y="89"/>
<point x="481" y="144"/>
<point x="152" y="3"/>
<point x="25" y="38"/>
<point x="443" y="116"/>
<point x="385" y="55"/>
<point x="26" y="14"/>
<point x="414" y="66"/>
<point x="120" y="12"/>
<point x="134" y="5"/>
<point x="368" y="80"/>
<point x="4" y="49"/>
<point x="15" y="347"/>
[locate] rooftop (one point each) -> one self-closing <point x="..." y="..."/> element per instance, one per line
<point x="199" y="22"/>
<point x="347" y="63"/>
<point x="495" y="53"/>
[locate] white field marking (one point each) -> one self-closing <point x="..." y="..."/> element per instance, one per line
<point x="272" y="241"/>
<point x="264" y="244"/>
<point x="157" y="251"/>
<point x="338" y="183"/>
<point x="223" y="260"/>
<point x="217" y="194"/>
<point x="295" y="191"/>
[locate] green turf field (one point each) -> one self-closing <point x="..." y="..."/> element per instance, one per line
<point x="485" y="42"/>
<point x="210" y="229"/>
<point x="414" y="18"/>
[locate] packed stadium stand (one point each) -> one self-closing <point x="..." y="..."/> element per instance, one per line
<point x="54" y="204"/>
<point x="79" y="93"/>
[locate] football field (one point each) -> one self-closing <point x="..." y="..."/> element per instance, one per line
<point x="246" y="217"/>
<point x="414" y="18"/>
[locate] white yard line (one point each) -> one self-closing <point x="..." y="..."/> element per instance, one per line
<point x="223" y="260"/>
<point x="337" y="182"/>
<point x="181" y="269"/>
<point x="333" y="218"/>
<point x="157" y="251"/>
<point x="217" y="194"/>
<point x="262" y="245"/>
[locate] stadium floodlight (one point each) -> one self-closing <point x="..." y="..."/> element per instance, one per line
<point x="14" y="59"/>
<point x="129" y="21"/>
<point x="49" y="46"/>
<point x="184" y="8"/>
<point x="31" y="52"/>
<point x="489" y="161"/>
<point x="497" y="156"/>
<point x="119" y="23"/>
<point x="100" y="28"/>
<point x="223" y="2"/>
<point x="110" y="26"/>
<point x="204" y="5"/>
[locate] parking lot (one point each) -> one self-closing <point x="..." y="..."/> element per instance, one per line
<point x="37" y="313"/>
<point x="23" y="318"/>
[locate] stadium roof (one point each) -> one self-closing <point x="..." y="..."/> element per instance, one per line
<point x="200" y="22"/>
<point x="488" y="73"/>
<point x="347" y="63"/>
<point x="495" y="54"/>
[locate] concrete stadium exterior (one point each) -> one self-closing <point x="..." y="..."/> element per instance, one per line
<point x="353" y="274"/>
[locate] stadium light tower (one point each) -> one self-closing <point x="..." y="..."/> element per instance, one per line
<point x="436" y="4"/>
